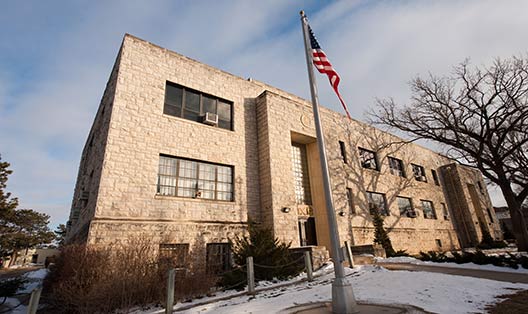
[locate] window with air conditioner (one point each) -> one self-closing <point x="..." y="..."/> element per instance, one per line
<point x="419" y="173"/>
<point x="183" y="102"/>
<point x="368" y="159"/>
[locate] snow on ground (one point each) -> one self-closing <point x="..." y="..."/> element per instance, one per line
<point x="434" y="292"/>
<point x="412" y="260"/>
<point x="34" y="280"/>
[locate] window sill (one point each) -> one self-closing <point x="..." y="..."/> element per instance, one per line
<point x="191" y="199"/>
<point x="199" y="123"/>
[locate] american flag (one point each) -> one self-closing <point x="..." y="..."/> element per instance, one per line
<point x="323" y="65"/>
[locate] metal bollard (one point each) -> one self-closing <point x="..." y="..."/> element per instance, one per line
<point x="349" y="255"/>
<point x="308" y="264"/>
<point x="250" y="275"/>
<point x="170" y="291"/>
<point x="34" y="301"/>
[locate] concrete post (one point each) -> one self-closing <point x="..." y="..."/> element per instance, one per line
<point x="170" y="291"/>
<point x="349" y="254"/>
<point x="250" y="275"/>
<point x="308" y="264"/>
<point x="34" y="301"/>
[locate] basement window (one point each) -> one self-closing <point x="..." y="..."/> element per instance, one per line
<point x="193" y="105"/>
<point x="218" y="257"/>
<point x="174" y="254"/>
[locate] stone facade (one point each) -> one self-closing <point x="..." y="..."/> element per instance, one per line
<point x="116" y="195"/>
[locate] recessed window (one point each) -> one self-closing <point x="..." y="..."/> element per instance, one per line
<point x="367" y="158"/>
<point x="376" y="201"/>
<point x="490" y="215"/>
<point x="174" y="254"/>
<point x="405" y="206"/>
<point x="419" y="173"/>
<point x="193" y="105"/>
<point x="218" y="257"/>
<point x="300" y="174"/>
<point x="445" y="211"/>
<point x="438" y="243"/>
<point x="396" y="167"/>
<point x="342" y="147"/>
<point x="350" y="200"/>
<point x="435" y="177"/>
<point x="428" y="209"/>
<point x="195" y="179"/>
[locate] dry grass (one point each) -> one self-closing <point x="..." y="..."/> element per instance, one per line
<point x="90" y="279"/>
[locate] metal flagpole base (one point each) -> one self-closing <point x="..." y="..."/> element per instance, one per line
<point x="343" y="301"/>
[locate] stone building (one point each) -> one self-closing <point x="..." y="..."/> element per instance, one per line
<point x="187" y="154"/>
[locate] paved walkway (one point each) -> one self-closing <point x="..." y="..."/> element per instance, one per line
<point x="478" y="273"/>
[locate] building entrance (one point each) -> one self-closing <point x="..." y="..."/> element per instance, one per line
<point x="307" y="233"/>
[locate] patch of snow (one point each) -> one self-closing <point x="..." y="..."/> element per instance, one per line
<point x="414" y="261"/>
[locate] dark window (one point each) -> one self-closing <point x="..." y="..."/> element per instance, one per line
<point x="343" y="151"/>
<point x="428" y="210"/>
<point x="376" y="201"/>
<point x="196" y="179"/>
<point x="419" y="173"/>
<point x="218" y="257"/>
<point x="300" y="175"/>
<point x="368" y="159"/>
<point x="396" y="167"/>
<point x="406" y="208"/>
<point x="174" y="254"/>
<point x="438" y="243"/>
<point x="445" y="212"/>
<point x="192" y="105"/>
<point x="481" y="188"/>
<point x="350" y="200"/>
<point x="490" y="215"/>
<point x="435" y="177"/>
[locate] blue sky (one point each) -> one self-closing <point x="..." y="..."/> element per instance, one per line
<point x="55" y="58"/>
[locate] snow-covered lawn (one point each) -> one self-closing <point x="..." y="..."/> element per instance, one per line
<point x="412" y="260"/>
<point x="434" y="292"/>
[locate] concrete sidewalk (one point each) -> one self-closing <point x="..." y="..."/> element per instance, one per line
<point x="478" y="273"/>
<point x="326" y="307"/>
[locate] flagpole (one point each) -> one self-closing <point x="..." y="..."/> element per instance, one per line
<point x="343" y="300"/>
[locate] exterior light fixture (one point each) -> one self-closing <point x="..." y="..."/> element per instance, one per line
<point x="285" y="210"/>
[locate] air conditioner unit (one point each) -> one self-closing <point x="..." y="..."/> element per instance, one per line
<point x="210" y="118"/>
<point x="84" y="195"/>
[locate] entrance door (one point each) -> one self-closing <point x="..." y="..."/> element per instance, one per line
<point x="307" y="233"/>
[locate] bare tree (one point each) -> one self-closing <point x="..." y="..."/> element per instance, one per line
<point x="481" y="117"/>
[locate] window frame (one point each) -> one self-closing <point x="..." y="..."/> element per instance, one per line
<point x="342" y="148"/>
<point x="445" y="211"/>
<point x="385" y="210"/>
<point x="227" y="259"/>
<point x="363" y="162"/>
<point x="433" y="211"/>
<point x="350" y="200"/>
<point x="397" y="172"/>
<point x="166" y="248"/>
<point x="301" y="175"/>
<point x="436" y="180"/>
<point x="186" y="90"/>
<point x="411" y="212"/>
<point x="423" y="176"/>
<point x="177" y="177"/>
